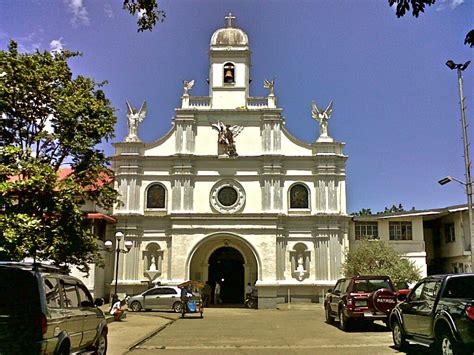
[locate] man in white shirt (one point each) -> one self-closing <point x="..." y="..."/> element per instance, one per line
<point x="217" y="293"/>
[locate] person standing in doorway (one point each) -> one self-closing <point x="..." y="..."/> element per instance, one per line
<point x="206" y="294"/>
<point x="248" y="290"/>
<point x="217" y="293"/>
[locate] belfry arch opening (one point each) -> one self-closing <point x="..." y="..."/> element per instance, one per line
<point x="226" y="266"/>
<point x="228" y="257"/>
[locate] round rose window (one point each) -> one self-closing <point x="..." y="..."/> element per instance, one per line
<point x="227" y="196"/>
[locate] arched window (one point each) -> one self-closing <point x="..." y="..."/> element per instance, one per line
<point x="229" y="73"/>
<point x="299" y="196"/>
<point x="156" y="196"/>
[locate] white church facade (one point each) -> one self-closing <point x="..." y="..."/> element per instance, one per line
<point x="229" y="195"/>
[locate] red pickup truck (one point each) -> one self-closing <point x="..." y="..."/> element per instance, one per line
<point x="360" y="298"/>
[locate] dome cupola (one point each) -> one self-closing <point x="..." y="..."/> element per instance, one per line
<point x="229" y="35"/>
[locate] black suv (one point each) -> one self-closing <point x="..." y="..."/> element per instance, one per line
<point x="369" y="298"/>
<point x="46" y="311"/>
<point x="438" y="312"/>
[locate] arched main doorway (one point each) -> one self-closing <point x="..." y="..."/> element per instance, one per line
<point x="225" y="256"/>
<point x="226" y="265"/>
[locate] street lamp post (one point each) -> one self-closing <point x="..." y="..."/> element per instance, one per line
<point x="467" y="162"/>
<point x="108" y="245"/>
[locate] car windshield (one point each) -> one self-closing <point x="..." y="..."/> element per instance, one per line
<point x="460" y="287"/>
<point x="371" y="285"/>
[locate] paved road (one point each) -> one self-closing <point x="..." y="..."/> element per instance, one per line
<point x="298" y="330"/>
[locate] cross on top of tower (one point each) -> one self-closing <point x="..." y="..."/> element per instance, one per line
<point x="228" y="19"/>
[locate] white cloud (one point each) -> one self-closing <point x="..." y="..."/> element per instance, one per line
<point x="452" y="4"/>
<point x="108" y="11"/>
<point x="56" y="45"/>
<point x="79" y="12"/>
<point x="31" y="42"/>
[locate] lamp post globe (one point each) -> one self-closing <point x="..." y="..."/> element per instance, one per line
<point x="119" y="235"/>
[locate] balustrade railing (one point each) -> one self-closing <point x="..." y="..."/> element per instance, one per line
<point x="257" y="102"/>
<point x="200" y="101"/>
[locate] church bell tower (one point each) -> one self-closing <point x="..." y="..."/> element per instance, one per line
<point x="229" y="75"/>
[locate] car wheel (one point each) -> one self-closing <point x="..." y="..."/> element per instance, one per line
<point x="136" y="306"/>
<point x="101" y="345"/>
<point x="398" y="337"/>
<point x="343" y="321"/>
<point x="178" y="307"/>
<point x="329" y="317"/>
<point x="447" y="345"/>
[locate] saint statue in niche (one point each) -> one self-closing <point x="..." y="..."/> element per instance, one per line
<point x="152" y="264"/>
<point x="300" y="270"/>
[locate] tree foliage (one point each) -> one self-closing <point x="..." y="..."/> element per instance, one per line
<point x="147" y="12"/>
<point x="364" y="212"/>
<point x="393" y="209"/>
<point x="48" y="120"/>
<point x="375" y="257"/>
<point x="417" y="7"/>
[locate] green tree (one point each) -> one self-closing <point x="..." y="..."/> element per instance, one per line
<point x="417" y="7"/>
<point x="48" y="119"/>
<point x="393" y="209"/>
<point x="375" y="257"/>
<point x="147" y="11"/>
<point x="364" y="212"/>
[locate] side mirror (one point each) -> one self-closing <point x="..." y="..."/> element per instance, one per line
<point x="401" y="297"/>
<point x="329" y="290"/>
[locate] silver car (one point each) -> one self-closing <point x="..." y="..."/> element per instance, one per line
<point x="159" y="297"/>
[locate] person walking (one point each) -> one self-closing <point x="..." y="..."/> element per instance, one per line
<point x="206" y="294"/>
<point x="217" y="293"/>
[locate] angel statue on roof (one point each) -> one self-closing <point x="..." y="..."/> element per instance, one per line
<point x="270" y="85"/>
<point x="187" y="85"/>
<point x="226" y="135"/>
<point x="323" y="118"/>
<point x="134" y="118"/>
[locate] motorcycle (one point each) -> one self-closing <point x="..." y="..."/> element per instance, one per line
<point x="251" y="301"/>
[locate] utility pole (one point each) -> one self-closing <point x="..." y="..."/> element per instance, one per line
<point x="467" y="162"/>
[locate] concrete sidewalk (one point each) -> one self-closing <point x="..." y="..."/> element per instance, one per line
<point x="135" y="328"/>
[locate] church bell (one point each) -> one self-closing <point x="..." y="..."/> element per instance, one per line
<point x="229" y="76"/>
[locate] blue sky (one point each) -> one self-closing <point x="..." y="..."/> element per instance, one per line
<point x="396" y="104"/>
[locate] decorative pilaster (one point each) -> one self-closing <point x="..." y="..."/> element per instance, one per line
<point x="272" y="186"/>
<point x="128" y="173"/>
<point x="182" y="189"/>
<point x="271" y="133"/>
<point x="185" y="133"/>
